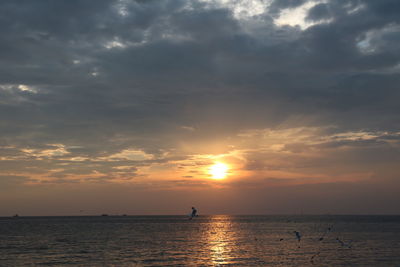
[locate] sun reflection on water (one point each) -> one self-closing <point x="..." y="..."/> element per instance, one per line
<point x="220" y="239"/>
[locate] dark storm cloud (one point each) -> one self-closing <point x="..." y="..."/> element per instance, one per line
<point x="108" y="75"/>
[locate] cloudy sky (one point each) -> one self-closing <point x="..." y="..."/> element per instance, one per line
<point x="124" y="106"/>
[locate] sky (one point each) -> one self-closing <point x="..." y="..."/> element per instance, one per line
<point x="126" y="106"/>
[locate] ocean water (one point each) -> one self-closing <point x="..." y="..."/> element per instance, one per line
<point x="204" y="241"/>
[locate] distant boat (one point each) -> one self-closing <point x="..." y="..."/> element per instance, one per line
<point x="16" y="215"/>
<point x="124" y="215"/>
<point x="104" y="215"/>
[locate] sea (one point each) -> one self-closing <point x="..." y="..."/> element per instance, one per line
<point x="215" y="240"/>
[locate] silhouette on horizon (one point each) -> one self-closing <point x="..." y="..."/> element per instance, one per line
<point x="193" y="214"/>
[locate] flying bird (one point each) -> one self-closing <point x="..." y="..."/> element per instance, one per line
<point x="298" y="235"/>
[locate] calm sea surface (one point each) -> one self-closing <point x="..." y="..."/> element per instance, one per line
<point x="203" y="241"/>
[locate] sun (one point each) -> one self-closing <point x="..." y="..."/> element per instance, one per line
<point x="219" y="170"/>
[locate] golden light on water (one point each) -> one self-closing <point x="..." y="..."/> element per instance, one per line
<point x="220" y="240"/>
<point x="219" y="171"/>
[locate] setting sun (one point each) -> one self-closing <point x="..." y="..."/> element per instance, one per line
<point x="219" y="171"/>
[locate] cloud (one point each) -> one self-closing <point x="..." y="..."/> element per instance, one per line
<point x="132" y="91"/>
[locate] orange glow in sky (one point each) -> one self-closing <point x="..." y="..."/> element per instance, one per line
<point x="219" y="171"/>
